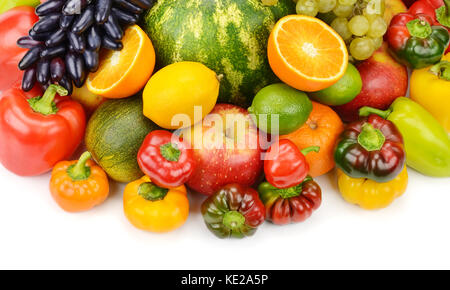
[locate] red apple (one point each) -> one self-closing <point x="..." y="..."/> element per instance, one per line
<point x="383" y="79"/>
<point x="224" y="154"/>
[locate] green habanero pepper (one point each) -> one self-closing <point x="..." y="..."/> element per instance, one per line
<point x="427" y="144"/>
<point x="415" y="41"/>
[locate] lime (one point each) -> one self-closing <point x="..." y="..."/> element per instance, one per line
<point x="342" y="92"/>
<point x="292" y="107"/>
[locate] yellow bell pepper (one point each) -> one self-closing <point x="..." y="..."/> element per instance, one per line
<point x="430" y="87"/>
<point x="370" y="194"/>
<point x="155" y="209"/>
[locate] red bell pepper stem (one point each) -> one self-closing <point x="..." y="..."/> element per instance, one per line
<point x="443" y="14"/>
<point x="45" y="105"/>
<point x="80" y="171"/>
<point x="170" y="152"/>
<point x="366" y="111"/>
<point x="152" y="192"/>
<point x="419" y="28"/>
<point x="442" y="70"/>
<point x="306" y="150"/>
<point x="233" y="220"/>
<point x="370" y="138"/>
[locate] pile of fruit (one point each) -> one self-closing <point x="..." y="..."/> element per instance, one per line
<point x="245" y="102"/>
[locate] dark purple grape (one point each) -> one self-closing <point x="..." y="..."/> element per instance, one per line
<point x="39" y="36"/>
<point x="30" y="58"/>
<point x="91" y="59"/>
<point x="125" y="17"/>
<point x="73" y="7"/>
<point x="49" y="7"/>
<point x="94" y="38"/>
<point x="27" y="42"/>
<point x="66" y="21"/>
<point x="44" y="87"/>
<point x="47" y="23"/>
<point x="29" y="79"/>
<point x="77" y="42"/>
<point x="51" y="52"/>
<point x="109" y="43"/>
<point x="56" y="38"/>
<point x="57" y="69"/>
<point x="84" y="21"/>
<point x="66" y="82"/>
<point x="144" y="4"/>
<point x="102" y="10"/>
<point x="112" y="28"/>
<point x="75" y="69"/>
<point x="124" y="4"/>
<point x="43" y="71"/>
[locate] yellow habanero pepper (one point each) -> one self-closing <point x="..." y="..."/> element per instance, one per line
<point x="152" y="208"/>
<point x="369" y="194"/>
<point x="430" y="87"/>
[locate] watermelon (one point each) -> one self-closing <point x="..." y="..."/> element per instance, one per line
<point x="228" y="36"/>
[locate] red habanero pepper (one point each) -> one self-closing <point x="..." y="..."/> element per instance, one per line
<point x="37" y="133"/>
<point x="166" y="159"/>
<point x="285" y="165"/>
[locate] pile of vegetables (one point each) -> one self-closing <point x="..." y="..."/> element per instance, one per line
<point x="247" y="106"/>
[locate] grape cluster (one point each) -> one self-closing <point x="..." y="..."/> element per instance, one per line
<point x="64" y="44"/>
<point x="359" y="22"/>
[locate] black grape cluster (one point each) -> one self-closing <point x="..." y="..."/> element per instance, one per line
<point x="64" y="44"/>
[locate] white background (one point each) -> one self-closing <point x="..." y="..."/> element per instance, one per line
<point x="413" y="233"/>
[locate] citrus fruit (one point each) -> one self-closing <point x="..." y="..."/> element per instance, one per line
<point x="174" y="93"/>
<point x="123" y="73"/>
<point x="342" y="92"/>
<point x="306" y="53"/>
<point x="290" y="105"/>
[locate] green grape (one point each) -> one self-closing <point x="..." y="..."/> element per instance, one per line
<point x="358" y="25"/>
<point x="343" y="10"/>
<point x="326" y="5"/>
<point x="347" y="2"/>
<point x="362" y="48"/>
<point x="375" y="7"/>
<point x="377" y="42"/>
<point x="340" y="25"/>
<point x="307" y="7"/>
<point x="377" y="27"/>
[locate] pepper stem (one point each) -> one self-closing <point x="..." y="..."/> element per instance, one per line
<point x="310" y="149"/>
<point x="442" y="70"/>
<point x="170" y="151"/>
<point x="80" y="171"/>
<point x="45" y="105"/>
<point x="152" y="192"/>
<point x="370" y="138"/>
<point x="419" y="28"/>
<point x="233" y="220"/>
<point x="443" y="14"/>
<point x="366" y="111"/>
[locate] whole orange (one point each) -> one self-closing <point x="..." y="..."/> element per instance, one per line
<point x="322" y="129"/>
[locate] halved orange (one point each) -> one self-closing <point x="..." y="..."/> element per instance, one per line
<point x="306" y="53"/>
<point x="124" y="73"/>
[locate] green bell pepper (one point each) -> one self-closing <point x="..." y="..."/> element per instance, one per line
<point x="5" y="5"/>
<point x="427" y="144"/>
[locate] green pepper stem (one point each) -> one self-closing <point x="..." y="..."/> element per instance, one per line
<point x="366" y="111"/>
<point x="419" y="28"/>
<point x="151" y="192"/>
<point x="233" y="220"/>
<point x="370" y="138"/>
<point x="442" y="70"/>
<point x="443" y="14"/>
<point x="45" y="104"/>
<point x="307" y="150"/>
<point x="170" y="152"/>
<point x="80" y="171"/>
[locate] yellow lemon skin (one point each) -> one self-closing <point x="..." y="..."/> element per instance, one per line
<point x="171" y="95"/>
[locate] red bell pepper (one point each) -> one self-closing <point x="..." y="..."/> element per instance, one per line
<point x="285" y="165"/>
<point x="166" y="159"/>
<point x="37" y="133"/>
<point x="14" y="23"/>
